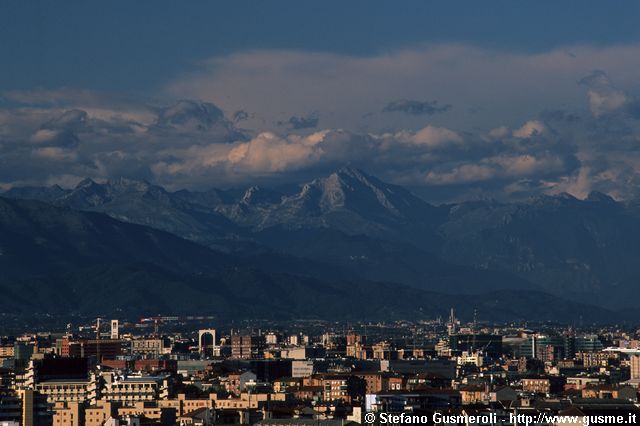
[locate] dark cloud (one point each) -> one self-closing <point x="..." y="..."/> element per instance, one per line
<point x="240" y="115"/>
<point x="412" y="107"/>
<point x="186" y="113"/>
<point x="44" y="144"/>
<point x="74" y="119"/>
<point x="194" y="122"/>
<point x="301" y="122"/>
<point x="62" y="130"/>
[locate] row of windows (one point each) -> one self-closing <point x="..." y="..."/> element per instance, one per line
<point x="134" y="386"/>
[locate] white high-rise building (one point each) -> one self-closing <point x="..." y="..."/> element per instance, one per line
<point x="115" y="332"/>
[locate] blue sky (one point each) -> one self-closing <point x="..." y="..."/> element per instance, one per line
<point x="455" y="99"/>
<point x="141" y="45"/>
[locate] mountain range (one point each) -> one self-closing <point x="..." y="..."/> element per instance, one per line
<point x="315" y="250"/>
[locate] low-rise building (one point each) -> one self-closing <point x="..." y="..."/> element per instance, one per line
<point x="132" y="389"/>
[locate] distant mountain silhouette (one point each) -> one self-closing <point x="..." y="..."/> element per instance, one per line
<point x="352" y="226"/>
<point x="63" y="262"/>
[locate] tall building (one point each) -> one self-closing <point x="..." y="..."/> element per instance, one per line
<point x="587" y="343"/>
<point x="355" y="345"/>
<point x="452" y="325"/>
<point x="46" y="369"/>
<point x="35" y="410"/>
<point x="148" y="346"/>
<point x="10" y="406"/>
<point x="353" y="338"/>
<point x="272" y="338"/>
<point x="26" y="395"/>
<point x="247" y="347"/>
<point x="23" y="351"/>
<point x="537" y="346"/>
<point x="69" y="347"/>
<point x="635" y="367"/>
<point x="115" y="332"/>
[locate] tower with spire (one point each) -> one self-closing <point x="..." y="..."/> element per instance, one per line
<point x="452" y="326"/>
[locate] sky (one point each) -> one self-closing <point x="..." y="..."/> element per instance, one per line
<point x="455" y="100"/>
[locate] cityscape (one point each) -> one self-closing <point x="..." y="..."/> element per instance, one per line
<point x="166" y="370"/>
<point x="319" y="213"/>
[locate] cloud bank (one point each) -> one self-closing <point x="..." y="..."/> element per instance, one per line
<point x="522" y="124"/>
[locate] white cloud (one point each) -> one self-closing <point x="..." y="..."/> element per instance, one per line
<point x="579" y="184"/>
<point x="44" y="136"/>
<point x="55" y="154"/>
<point x="266" y="153"/>
<point x="529" y="129"/>
<point x="432" y="136"/>
<point x="605" y="98"/>
<point x="603" y="103"/>
<point x="498" y="133"/>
